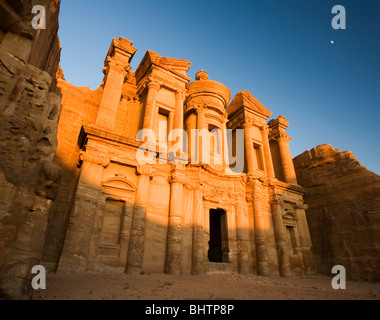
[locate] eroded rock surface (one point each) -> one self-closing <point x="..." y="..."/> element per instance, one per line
<point x="344" y="211"/>
<point x="29" y="111"/>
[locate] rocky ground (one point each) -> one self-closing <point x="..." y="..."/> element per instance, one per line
<point x="207" y="287"/>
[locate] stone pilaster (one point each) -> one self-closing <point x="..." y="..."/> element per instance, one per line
<point x="116" y="70"/>
<point x="137" y="237"/>
<point x="280" y="236"/>
<point x="305" y="239"/>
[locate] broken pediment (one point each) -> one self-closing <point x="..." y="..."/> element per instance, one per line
<point x="244" y="100"/>
<point x="177" y="66"/>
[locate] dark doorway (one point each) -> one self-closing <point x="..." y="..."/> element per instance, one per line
<point x="218" y="236"/>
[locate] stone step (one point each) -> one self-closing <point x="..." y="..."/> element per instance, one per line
<point x="219" y="268"/>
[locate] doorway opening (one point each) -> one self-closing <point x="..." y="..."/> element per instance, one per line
<point x="218" y="244"/>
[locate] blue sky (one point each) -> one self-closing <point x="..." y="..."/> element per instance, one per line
<point x="280" y="51"/>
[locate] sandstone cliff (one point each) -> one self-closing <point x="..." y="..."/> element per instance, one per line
<point x="79" y="108"/>
<point x="344" y="211"/>
<point x="29" y="111"/>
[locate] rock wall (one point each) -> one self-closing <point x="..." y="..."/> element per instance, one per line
<point x="79" y="108"/>
<point x="344" y="211"/>
<point x="29" y="111"/>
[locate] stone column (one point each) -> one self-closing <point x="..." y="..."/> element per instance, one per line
<point x="116" y="70"/>
<point x="174" y="240"/>
<point x="198" y="266"/>
<point x="150" y="106"/>
<point x="242" y="237"/>
<point x="201" y="112"/>
<point x="280" y="236"/>
<point x="224" y="143"/>
<point x="178" y="113"/>
<point x="250" y="156"/>
<point x="170" y="128"/>
<point x="137" y="237"/>
<point x="267" y="153"/>
<point x="305" y="239"/>
<point x="287" y="163"/>
<point x="261" y="241"/>
<point x="201" y="125"/>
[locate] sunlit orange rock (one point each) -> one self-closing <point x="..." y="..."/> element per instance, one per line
<point x="114" y="213"/>
<point x="343" y="213"/>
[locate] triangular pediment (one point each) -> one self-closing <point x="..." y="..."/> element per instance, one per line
<point x="244" y="99"/>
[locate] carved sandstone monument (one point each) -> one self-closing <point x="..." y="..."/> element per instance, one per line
<point x="113" y="213"/>
<point x="29" y="111"/>
<point x="343" y="213"/>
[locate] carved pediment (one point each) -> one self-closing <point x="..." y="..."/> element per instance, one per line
<point x="119" y="183"/>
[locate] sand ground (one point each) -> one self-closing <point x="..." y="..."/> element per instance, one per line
<point x="93" y="286"/>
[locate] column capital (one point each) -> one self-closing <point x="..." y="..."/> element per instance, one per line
<point x="276" y="200"/>
<point x="265" y="129"/>
<point x="146" y="171"/>
<point x="180" y="94"/>
<point x="247" y="123"/>
<point x="113" y="64"/>
<point x="152" y="83"/>
<point x="193" y="184"/>
<point x="301" y="205"/>
<point x="93" y="157"/>
<point x="201" y="108"/>
<point x="253" y="198"/>
<point x="178" y="178"/>
<point x="285" y="137"/>
<point x="278" y="136"/>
